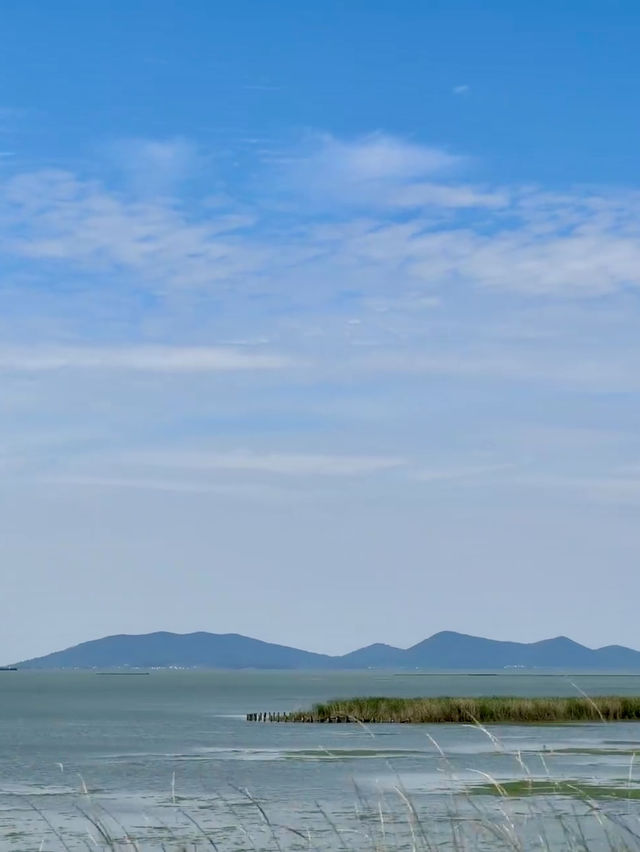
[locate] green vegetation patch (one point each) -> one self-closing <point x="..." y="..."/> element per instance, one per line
<point x="574" y="789"/>
<point x="349" y="754"/>
<point x="594" y="752"/>
<point x="484" y="710"/>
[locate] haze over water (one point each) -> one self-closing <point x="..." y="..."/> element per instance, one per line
<point x="150" y="750"/>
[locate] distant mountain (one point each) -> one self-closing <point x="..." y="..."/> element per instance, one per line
<point x="378" y="656"/>
<point x="443" y="651"/>
<point x="450" y="650"/>
<point x="188" y="650"/>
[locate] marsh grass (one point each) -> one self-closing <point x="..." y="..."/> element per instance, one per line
<point x="483" y="710"/>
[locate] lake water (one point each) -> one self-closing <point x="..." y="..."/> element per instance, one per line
<point x="168" y="759"/>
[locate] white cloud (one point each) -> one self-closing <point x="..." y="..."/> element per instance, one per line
<point x="588" y="262"/>
<point x="155" y="166"/>
<point x="472" y="472"/>
<point x="171" y="486"/>
<point x="447" y="195"/>
<point x="365" y="170"/>
<point x="54" y="216"/>
<point x="162" y="359"/>
<point x="545" y="365"/>
<point x="379" y="157"/>
<point x="463" y="89"/>
<point x="605" y="488"/>
<point x="578" y="244"/>
<point x="286" y="464"/>
<point x="556" y="250"/>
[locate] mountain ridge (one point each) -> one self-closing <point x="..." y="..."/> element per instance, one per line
<point x="445" y="650"/>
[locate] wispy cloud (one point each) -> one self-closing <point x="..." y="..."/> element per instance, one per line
<point x="378" y="157"/>
<point x="548" y="249"/>
<point x="574" y="369"/>
<point x="168" y="485"/>
<point x="583" y="243"/>
<point x="366" y="169"/>
<point x="54" y="216"/>
<point x="155" y="166"/>
<point x="589" y="259"/>
<point x="440" y="195"/>
<point x="157" y="359"/>
<point x="470" y="472"/>
<point x="415" y="283"/>
<point x="284" y="464"/>
<point x="606" y="488"/>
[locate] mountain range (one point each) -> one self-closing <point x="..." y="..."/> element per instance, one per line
<point x="443" y="651"/>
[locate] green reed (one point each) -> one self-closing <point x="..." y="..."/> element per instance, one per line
<point x="485" y="710"/>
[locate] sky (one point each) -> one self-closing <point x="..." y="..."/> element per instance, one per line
<point x="319" y="321"/>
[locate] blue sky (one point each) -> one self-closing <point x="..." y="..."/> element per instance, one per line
<point x="318" y="322"/>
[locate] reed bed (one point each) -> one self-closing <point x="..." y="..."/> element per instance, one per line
<point x="483" y="710"/>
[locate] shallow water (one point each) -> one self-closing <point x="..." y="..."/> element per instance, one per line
<point x="148" y="756"/>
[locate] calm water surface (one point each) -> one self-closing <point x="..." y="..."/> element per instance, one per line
<point x="144" y="756"/>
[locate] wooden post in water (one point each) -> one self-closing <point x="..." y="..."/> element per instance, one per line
<point x="266" y="716"/>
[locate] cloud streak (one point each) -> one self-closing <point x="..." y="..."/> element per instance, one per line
<point x="54" y="217"/>
<point x="280" y="464"/>
<point x="369" y="170"/>
<point x="155" y="166"/>
<point x="377" y="156"/>
<point x="154" y="359"/>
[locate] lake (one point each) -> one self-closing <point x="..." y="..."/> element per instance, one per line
<point x="169" y="760"/>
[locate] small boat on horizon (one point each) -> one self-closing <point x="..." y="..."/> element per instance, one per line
<point x="8" y="668"/>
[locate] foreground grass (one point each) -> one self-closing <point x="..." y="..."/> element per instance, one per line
<point x="485" y="710"/>
<point x="484" y="817"/>
<point x="526" y="813"/>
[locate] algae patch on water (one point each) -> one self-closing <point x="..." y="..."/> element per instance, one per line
<point x="349" y="753"/>
<point x="522" y="788"/>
